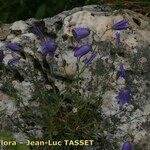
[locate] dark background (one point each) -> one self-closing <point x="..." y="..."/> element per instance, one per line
<point x="12" y="10"/>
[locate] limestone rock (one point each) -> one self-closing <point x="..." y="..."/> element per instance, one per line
<point x="100" y="77"/>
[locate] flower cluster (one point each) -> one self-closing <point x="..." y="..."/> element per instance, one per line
<point x="124" y="96"/>
<point x="79" y="34"/>
<point x="47" y="44"/>
<point x="12" y="47"/>
<point x="121" y="25"/>
<point x="49" y="47"/>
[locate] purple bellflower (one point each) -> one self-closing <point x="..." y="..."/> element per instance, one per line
<point x="117" y="37"/>
<point x="90" y="60"/>
<point x="80" y="33"/>
<point x="124" y="96"/>
<point x="1" y="55"/>
<point x="121" y="72"/>
<point x="13" y="46"/>
<point x="121" y="25"/>
<point x="48" y="47"/>
<point x="13" y="60"/>
<point x="127" y="146"/>
<point x="82" y="50"/>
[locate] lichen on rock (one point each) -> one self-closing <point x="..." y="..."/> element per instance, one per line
<point x="36" y="73"/>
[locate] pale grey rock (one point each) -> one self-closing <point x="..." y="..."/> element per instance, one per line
<point x="24" y="91"/>
<point x="20" y="137"/>
<point x="110" y="106"/>
<point x="97" y="79"/>
<point x="7" y="104"/>
<point x="20" y="25"/>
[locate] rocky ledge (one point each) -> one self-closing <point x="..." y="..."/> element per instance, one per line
<point x="101" y="79"/>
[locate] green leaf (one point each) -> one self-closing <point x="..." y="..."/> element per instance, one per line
<point x="41" y="11"/>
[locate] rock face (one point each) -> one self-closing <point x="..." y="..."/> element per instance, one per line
<point x="100" y="78"/>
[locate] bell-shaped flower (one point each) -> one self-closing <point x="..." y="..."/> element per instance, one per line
<point x="80" y="33"/>
<point x="13" y="46"/>
<point x="124" y="97"/>
<point x="82" y="50"/>
<point x="121" y="25"/>
<point x="121" y="72"/>
<point x="48" y="46"/>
